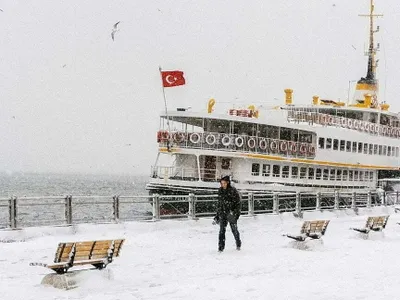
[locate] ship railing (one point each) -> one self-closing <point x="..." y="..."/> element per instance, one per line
<point x="20" y="212"/>
<point x="313" y="117"/>
<point x="238" y="143"/>
<point x="184" y="173"/>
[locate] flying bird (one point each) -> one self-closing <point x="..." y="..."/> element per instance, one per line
<point x="354" y="47"/>
<point x="115" y="29"/>
<point x="1" y="10"/>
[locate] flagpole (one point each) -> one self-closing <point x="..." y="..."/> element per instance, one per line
<point x="166" y="110"/>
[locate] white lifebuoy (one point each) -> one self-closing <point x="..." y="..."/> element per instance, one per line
<point x="330" y="120"/>
<point x="251" y="143"/>
<point x="398" y="132"/>
<point x="343" y="122"/>
<point x="273" y="146"/>
<point x="226" y="140"/>
<point x="211" y="139"/>
<point x="323" y="119"/>
<point x="194" y="138"/>
<point x="179" y="137"/>
<point x="283" y="146"/>
<point x="356" y="125"/>
<point x="239" y="141"/>
<point x="371" y="127"/>
<point x="292" y="147"/>
<point x="303" y="148"/>
<point x="311" y="149"/>
<point x="350" y="123"/>
<point x="362" y="125"/>
<point x="263" y="144"/>
<point x="384" y="129"/>
<point x="376" y="128"/>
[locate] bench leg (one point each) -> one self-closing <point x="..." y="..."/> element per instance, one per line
<point x="362" y="230"/>
<point x="99" y="266"/>
<point x="61" y="270"/>
<point x="298" y="238"/>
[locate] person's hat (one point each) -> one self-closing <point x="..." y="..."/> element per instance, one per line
<point x="226" y="178"/>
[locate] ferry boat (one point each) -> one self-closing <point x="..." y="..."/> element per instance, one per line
<point x="326" y="145"/>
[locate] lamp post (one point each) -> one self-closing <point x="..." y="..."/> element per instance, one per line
<point x="348" y="91"/>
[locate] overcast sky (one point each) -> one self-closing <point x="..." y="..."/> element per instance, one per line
<point x="72" y="100"/>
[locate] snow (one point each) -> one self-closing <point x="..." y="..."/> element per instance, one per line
<point x="178" y="259"/>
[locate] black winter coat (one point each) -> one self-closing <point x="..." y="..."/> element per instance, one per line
<point x="228" y="202"/>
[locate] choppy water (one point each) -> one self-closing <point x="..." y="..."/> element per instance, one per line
<point x="29" y="184"/>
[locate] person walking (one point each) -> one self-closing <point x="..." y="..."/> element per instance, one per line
<point x="228" y="211"/>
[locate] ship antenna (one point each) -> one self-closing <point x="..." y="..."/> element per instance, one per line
<point x="372" y="63"/>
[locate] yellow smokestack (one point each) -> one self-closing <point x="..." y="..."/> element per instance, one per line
<point x="315" y="100"/>
<point x="368" y="100"/>
<point x="210" y="105"/>
<point x="289" y="96"/>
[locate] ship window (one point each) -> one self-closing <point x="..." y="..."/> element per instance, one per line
<point x="332" y="174"/>
<point x="375" y="149"/>
<point x="380" y="149"/>
<point x="345" y="173"/>
<point x="361" y="175"/>
<point x="321" y="143"/>
<point x="285" y="171"/>
<point x="318" y="174"/>
<point x="335" y="144"/>
<point x="266" y="171"/>
<point x="326" y="174"/>
<point x="255" y="169"/>
<point x="350" y="175"/>
<point x="359" y="147"/>
<point x="354" y="147"/>
<point x="370" y="149"/>
<point x="365" y="148"/>
<point x="384" y="150"/>
<point x="342" y="145"/>
<point x="371" y="176"/>
<point x="339" y="175"/>
<point x="348" y="146"/>
<point x="328" y="143"/>
<point x="355" y="175"/>
<point x="225" y="163"/>
<point x="397" y="151"/>
<point x="295" y="172"/>
<point x="276" y="171"/>
<point x="311" y="173"/>
<point x="303" y="172"/>
<point x="389" y="151"/>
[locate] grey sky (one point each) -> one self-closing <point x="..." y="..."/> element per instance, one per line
<point x="81" y="116"/>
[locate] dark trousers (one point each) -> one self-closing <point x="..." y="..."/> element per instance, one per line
<point x="222" y="229"/>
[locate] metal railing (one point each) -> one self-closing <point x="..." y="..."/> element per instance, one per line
<point x="236" y="143"/>
<point x="44" y="211"/>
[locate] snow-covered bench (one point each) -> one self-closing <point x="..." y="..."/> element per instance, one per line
<point x="373" y="223"/>
<point x="96" y="253"/>
<point x="310" y="229"/>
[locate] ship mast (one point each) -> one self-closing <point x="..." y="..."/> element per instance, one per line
<point x="369" y="84"/>
<point x="372" y="64"/>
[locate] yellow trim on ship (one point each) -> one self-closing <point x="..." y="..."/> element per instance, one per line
<point x="318" y="162"/>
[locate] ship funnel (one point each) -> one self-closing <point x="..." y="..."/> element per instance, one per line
<point x="289" y="96"/>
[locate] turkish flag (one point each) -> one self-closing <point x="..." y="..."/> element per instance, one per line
<point x="172" y="78"/>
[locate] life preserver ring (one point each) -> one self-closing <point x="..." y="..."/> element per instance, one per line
<point x="322" y="119"/>
<point x="283" y="146"/>
<point x="303" y="148"/>
<point x="384" y="130"/>
<point x="273" y="145"/>
<point x="356" y="125"/>
<point x="330" y="120"/>
<point x="393" y="132"/>
<point x="376" y="128"/>
<point x="263" y="144"/>
<point x="371" y="128"/>
<point x="194" y="138"/>
<point x="179" y="137"/>
<point x="211" y="139"/>
<point x="292" y="147"/>
<point x="162" y="136"/>
<point x="343" y="122"/>
<point x="239" y="141"/>
<point x="226" y="140"/>
<point x="311" y="149"/>
<point x="350" y="123"/>
<point x="398" y="132"/>
<point x="251" y="143"/>
<point x="362" y="125"/>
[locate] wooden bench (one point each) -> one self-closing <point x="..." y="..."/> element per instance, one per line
<point x="310" y="229"/>
<point x="96" y="253"/>
<point x="374" y="224"/>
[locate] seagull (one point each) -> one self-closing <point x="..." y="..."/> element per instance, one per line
<point x="64" y="66"/>
<point x="1" y="10"/>
<point x="114" y="30"/>
<point x="354" y="47"/>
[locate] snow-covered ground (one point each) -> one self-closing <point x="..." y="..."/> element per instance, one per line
<point x="178" y="259"/>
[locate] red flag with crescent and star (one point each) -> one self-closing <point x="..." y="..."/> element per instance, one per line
<point x="172" y="78"/>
